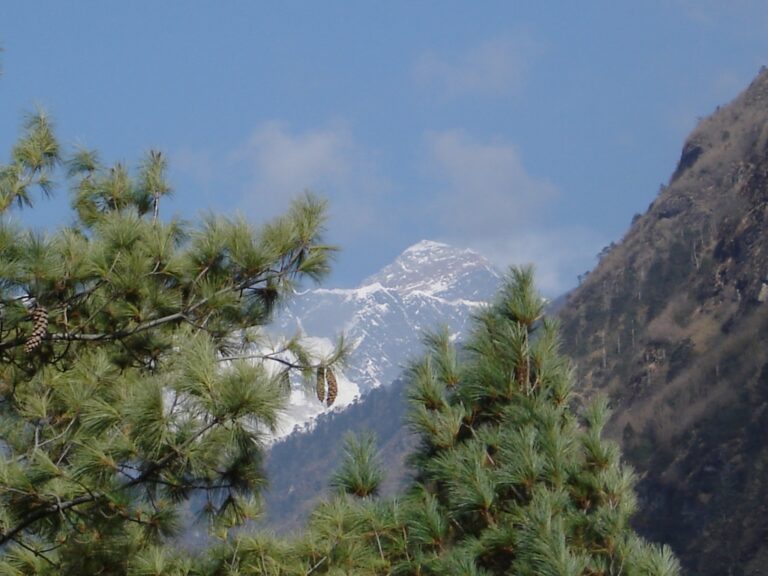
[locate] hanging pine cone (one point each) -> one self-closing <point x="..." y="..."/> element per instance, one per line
<point x="39" y="329"/>
<point x="320" y="383"/>
<point x="333" y="387"/>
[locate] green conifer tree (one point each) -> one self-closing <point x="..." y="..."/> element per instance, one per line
<point x="511" y="476"/>
<point x="126" y="380"/>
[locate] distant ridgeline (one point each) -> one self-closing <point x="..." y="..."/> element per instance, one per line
<point x="300" y="465"/>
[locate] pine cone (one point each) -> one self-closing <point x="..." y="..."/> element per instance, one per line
<point x="333" y="387"/>
<point x="39" y="329"/>
<point x="320" y="384"/>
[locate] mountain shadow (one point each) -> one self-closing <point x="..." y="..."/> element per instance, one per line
<point x="300" y="466"/>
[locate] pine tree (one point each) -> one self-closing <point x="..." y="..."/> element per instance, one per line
<point x="360" y="473"/>
<point x="126" y="383"/>
<point x="511" y="476"/>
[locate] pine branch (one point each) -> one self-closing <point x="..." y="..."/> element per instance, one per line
<point x="288" y="267"/>
<point x="91" y="497"/>
<point x="44" y="513"/>
<point x="272" y="356"/>
<point x="38" y="553"/>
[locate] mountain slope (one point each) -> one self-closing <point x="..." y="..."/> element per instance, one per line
<point x="299" y="467"/>
<point x="673" y="325"/>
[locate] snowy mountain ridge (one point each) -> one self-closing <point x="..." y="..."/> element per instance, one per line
<point x="429" y="285"/>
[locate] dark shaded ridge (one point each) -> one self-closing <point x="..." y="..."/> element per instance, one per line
<point x="300" y="466"/>
<point x="691" y="153"/>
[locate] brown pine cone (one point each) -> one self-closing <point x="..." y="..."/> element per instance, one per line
<point x="333" y="387"/>
<point x="320" y="383"/>
<point x="39" y="329"/>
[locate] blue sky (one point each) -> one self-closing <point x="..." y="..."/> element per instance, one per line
<point x="531" y="131"/>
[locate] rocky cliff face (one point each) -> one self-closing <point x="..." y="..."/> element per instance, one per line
<point x="673" y="325"/>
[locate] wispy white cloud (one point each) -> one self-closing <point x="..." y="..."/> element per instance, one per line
<point x="483" y="196"/>
<point x="488" y="200"/>
<point x="282" y="163"/>
<point x="558" y="253"/>
<point x="496" y="67"/>
<point x="486" y="187"/>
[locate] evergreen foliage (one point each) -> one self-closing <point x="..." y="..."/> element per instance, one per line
<point x="360" y="473"/>
<point x="510" y="477"/>
<point x="127" y="383"/>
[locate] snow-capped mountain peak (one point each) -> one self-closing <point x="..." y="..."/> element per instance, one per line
<point x="429" y="285"/>
<point x="437" y="269"/>
<point x="426" y="246"/>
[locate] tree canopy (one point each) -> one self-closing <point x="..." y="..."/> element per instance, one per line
<point x="127" y="380"/>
